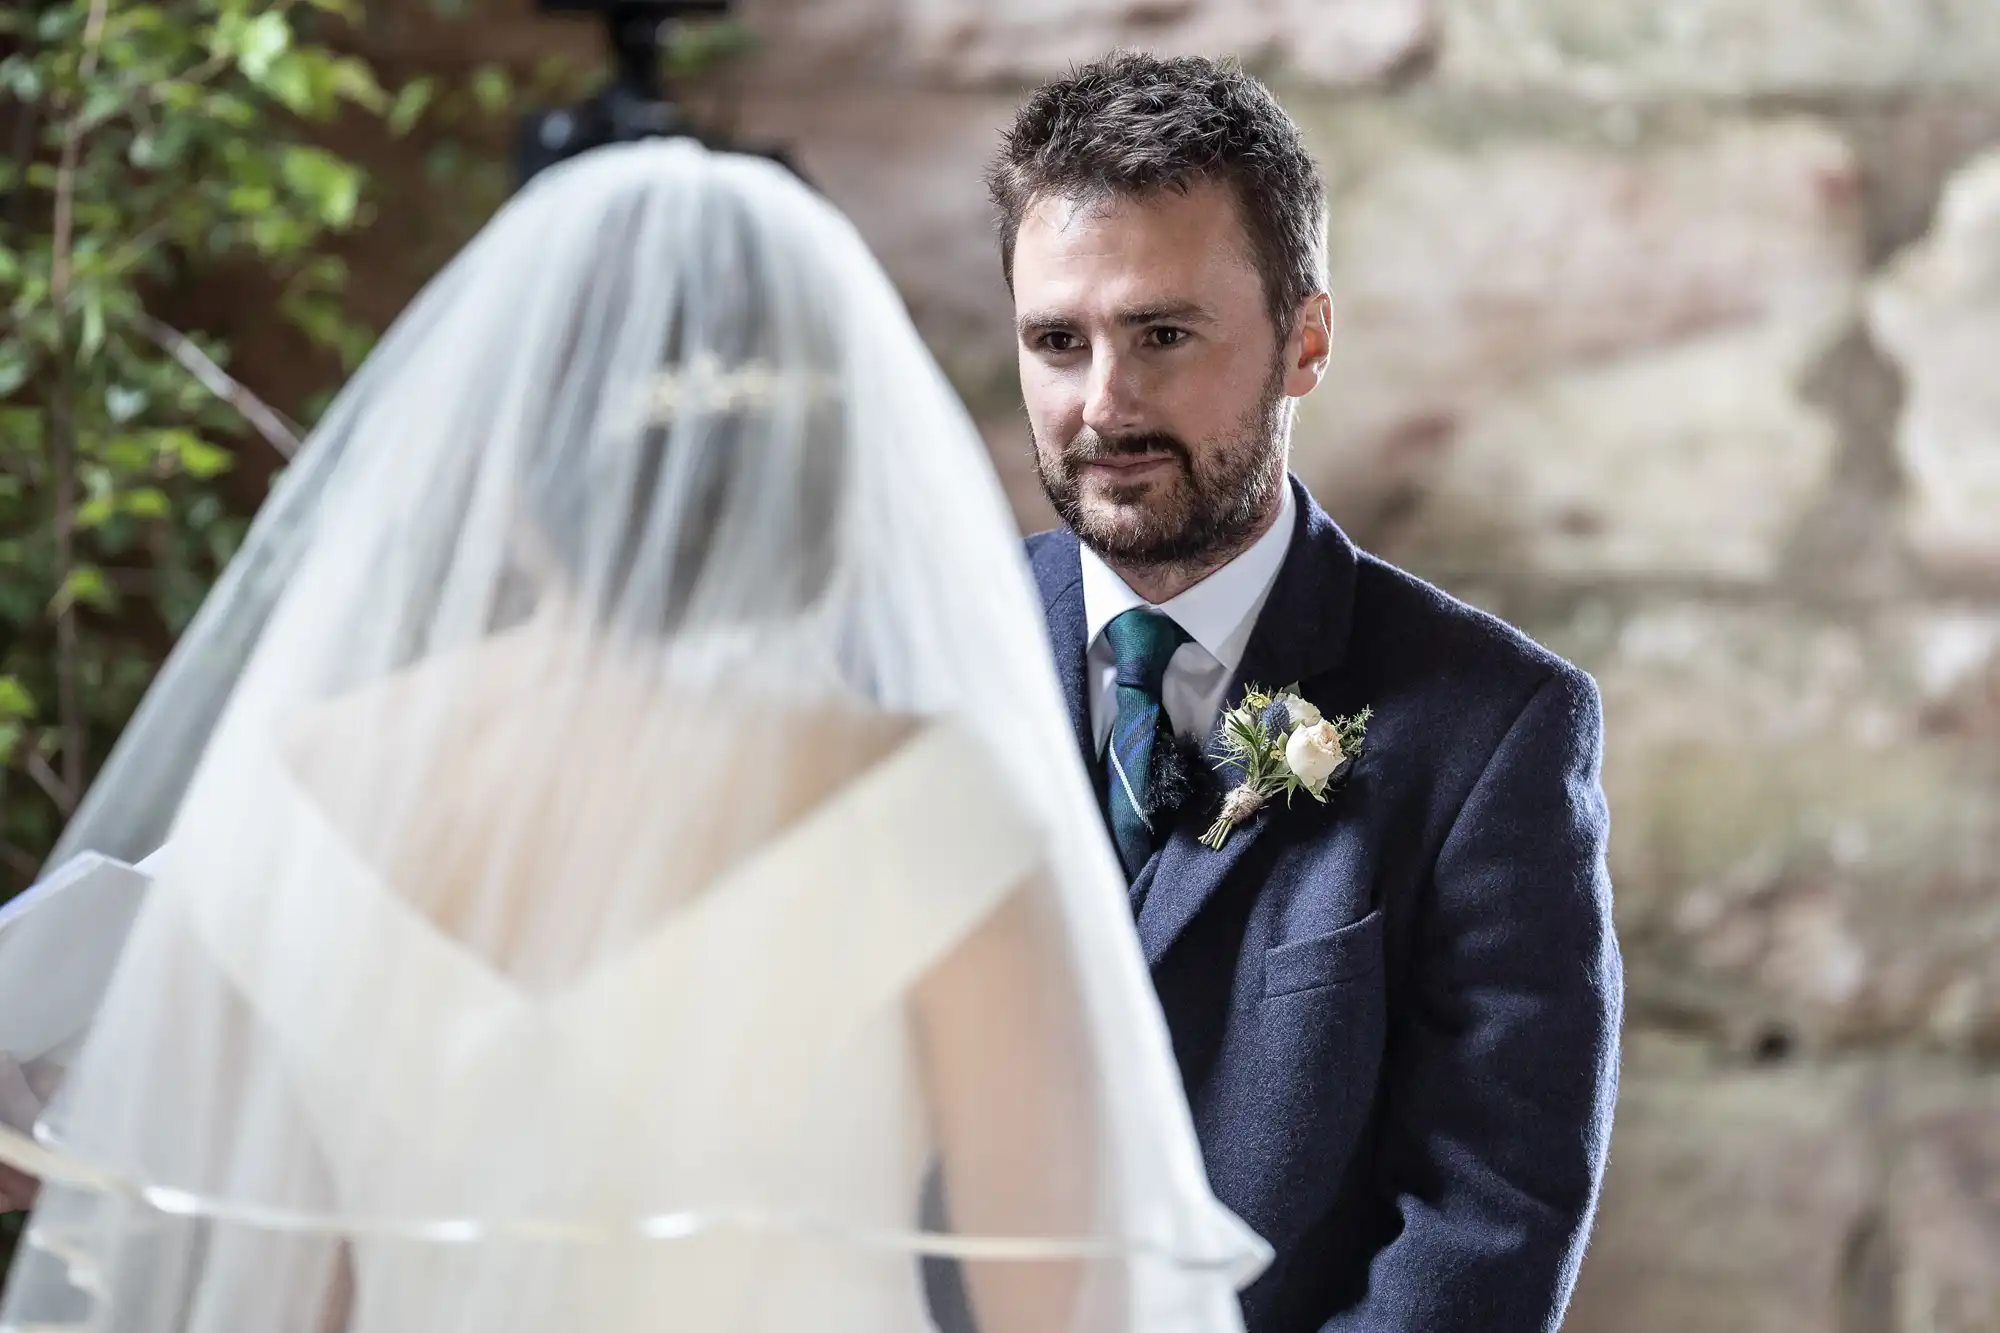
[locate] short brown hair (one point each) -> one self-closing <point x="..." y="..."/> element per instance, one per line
<point x="1134" y="124"/>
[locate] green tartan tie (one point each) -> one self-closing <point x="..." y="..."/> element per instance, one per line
<point x="1143" y="642"/>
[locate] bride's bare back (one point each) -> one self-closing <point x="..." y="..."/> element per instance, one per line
<point x="554" y="804"/>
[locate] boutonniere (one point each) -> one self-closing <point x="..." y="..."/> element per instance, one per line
<point x="1283" y="746"/>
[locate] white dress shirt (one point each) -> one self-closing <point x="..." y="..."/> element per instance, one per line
<point x="1218" y="614"/>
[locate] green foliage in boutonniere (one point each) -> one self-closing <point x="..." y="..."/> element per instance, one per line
<point x="1282" y="745"/>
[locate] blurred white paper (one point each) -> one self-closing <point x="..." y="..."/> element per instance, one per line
<point x="59" y="943"/>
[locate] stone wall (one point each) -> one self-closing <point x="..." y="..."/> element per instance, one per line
<point x="1672" y="332"/>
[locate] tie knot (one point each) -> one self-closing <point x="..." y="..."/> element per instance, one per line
<point x="1143" y="642"/>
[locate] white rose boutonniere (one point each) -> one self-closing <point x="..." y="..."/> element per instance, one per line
<point x="1314" y="755"/>
<point x="1283" y="745"/>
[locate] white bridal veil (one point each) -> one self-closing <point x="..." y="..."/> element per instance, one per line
<point x="622" y="832"/>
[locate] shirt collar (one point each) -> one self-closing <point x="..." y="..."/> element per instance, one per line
<point x="1219" y="612"/>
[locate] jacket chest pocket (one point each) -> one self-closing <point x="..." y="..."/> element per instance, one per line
<point x="1345" y="954"/>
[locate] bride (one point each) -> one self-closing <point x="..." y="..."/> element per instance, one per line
<point x="622" y="840"/>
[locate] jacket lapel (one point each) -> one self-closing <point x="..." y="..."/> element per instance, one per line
<point x="1301" y="634"/>
<point x="1058" y="571"/>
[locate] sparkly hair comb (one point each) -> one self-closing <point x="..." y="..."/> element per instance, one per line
<point x="705" y="384"/>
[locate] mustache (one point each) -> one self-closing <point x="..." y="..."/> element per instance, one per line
<point x="1090" y="447"/>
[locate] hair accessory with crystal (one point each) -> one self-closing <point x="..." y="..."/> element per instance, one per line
<point x="703" y="383"/>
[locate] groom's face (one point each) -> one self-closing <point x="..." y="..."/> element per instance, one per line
<point x="1154" y="379"/>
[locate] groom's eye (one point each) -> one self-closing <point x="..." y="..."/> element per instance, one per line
<point x="1058" y="341"/>
<point x="1167" y="337"/>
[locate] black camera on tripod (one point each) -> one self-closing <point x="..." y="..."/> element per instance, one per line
<point x="636" y="103"/>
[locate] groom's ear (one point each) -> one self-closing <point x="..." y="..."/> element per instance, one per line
<point x="1310" y="346"/>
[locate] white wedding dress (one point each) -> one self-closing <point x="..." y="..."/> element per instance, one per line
<point x="622" y="837"/>
<point x="726" y="1118"/>
<point x="723" y="1060"/>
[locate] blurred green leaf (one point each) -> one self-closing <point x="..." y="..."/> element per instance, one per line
<point x="259" y="43"/>
<point x="14" y="368"/>
<point x="252" y="198"/>
<point x="92" y="339"/>
<point x="95" y="512"/>
<point x="195" y="456"/>
<point x="15" y="701"/>
<point x="293" y="83"/>
<point x="353" y="81"/>
<point x="411" y="102"/>
<point x="85" y="586"/>
<point x="101" y="103"/>
<point x="122" y="404"/>
<point x="146" y="502"/>
<point x="277" y="234"/>
<point x="492" y="89"/>
<point x="330" y="185"/>
<point x="20" y="77"/>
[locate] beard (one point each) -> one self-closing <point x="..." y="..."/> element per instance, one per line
<point x="1209" y="510"/>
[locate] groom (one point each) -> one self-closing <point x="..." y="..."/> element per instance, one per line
<point x="1396" y="1014"/>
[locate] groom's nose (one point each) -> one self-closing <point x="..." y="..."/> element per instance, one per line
<point x="1113" y="404"/>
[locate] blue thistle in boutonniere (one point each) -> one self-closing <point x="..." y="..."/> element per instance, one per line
<point x="1282" y="746"/>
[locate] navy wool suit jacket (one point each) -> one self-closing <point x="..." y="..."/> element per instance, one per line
<point x="1396" y="1014"/>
